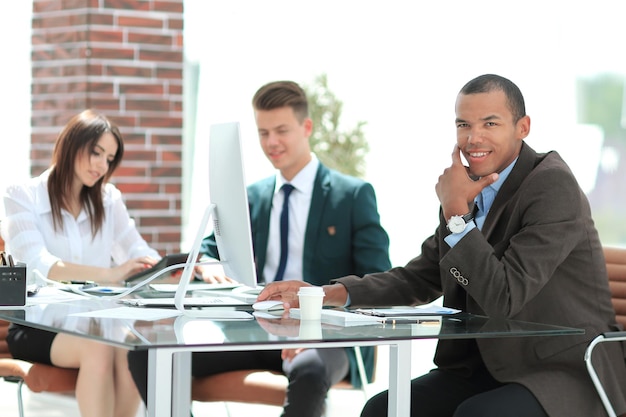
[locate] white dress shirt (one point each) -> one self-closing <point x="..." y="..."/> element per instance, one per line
<point x="299" y="205"/>
<point x="30" y="236"/>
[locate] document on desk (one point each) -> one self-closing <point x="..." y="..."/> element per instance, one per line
<point x="150" y="314"/>
<point x="341" y="318"/>
<point x="427" y="310"/>
<point x="348" y="318"/>
<point x="50" y="295"/>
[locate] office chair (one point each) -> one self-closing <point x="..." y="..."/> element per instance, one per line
<point x="37" y="377"/>
<point x="616" y="268"/>
<point x="260" y="387"/>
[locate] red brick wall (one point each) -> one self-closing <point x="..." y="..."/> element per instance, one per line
<point x="123" y="58"/>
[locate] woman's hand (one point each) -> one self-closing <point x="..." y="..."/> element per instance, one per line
<point x="131" y="267"/>
<point x="69" y="271"/>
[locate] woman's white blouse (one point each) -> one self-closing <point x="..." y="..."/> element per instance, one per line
<point x="30" y="237"/>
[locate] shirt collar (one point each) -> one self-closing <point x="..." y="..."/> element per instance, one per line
<point x="489" y="193"/>
<point x="303" y="181"/>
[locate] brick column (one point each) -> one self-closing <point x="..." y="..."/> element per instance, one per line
<point x="123" y="58"/>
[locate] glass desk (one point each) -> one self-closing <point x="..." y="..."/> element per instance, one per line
<point x="170" y="341"/>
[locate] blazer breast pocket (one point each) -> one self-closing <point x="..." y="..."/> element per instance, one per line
<point x="333" y="243"/>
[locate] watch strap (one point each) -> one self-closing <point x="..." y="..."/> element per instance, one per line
<point x="468" y="217"/>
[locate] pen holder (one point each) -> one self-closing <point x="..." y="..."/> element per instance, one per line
<point x="13" y="285"/>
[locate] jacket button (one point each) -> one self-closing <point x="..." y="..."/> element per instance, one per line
<point x="459" y="278"/>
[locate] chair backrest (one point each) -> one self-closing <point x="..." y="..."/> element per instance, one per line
<point x="4" y="347"/>
<point x="254" y="386"/>
<point x="616" y="268"/>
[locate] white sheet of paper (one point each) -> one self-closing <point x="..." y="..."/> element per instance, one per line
<point x="133" y="313"/>
<point x="49" y="295"/>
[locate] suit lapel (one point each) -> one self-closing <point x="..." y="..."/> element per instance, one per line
<point x="321" y="188"/>
<point x="261" y="224"/>
<point x="524" y="165"/>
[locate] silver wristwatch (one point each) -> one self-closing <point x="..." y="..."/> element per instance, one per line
<point x="457" y="224"/>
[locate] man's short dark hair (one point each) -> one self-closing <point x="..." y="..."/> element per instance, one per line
<point x="279" y="94"/>
<point x="490" y="82"/>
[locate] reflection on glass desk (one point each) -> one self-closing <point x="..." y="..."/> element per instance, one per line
<point x="185" y="331"/>
<point x="171" y="340"/>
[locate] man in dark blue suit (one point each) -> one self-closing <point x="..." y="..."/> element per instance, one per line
<point x="333" y="230"/>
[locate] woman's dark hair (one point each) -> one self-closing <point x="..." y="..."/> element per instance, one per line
<point x="79" y="136"/>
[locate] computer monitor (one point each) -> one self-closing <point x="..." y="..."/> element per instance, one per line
<point x="229" y="209"/>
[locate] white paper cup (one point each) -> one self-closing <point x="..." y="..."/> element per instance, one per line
<point x="311" y="301"/>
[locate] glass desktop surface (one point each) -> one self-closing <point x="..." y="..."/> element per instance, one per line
<point x="188" y="331"/>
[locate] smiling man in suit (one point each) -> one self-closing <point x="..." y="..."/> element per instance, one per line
<point x="309" y="223"/>
<point x="515" y="240"/>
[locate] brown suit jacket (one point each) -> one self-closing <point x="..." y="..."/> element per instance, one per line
<point x="538" y="258"/>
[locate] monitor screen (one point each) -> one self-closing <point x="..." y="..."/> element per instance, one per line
<point x="231" y="216"/>
<point x="228" y="209"/>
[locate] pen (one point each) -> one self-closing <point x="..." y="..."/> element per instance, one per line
<point x="393" y="321"/>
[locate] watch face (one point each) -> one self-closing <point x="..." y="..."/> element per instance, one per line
<point x="456" y="224"/>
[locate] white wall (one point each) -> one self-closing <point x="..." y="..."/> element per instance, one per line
<point x="398" y="65"/>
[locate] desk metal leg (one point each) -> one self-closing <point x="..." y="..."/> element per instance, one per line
<point x="169" y="383"/>
<point x="400" y="379"/>
<point x="181" y="378"/>
<point x="160" y="362"/>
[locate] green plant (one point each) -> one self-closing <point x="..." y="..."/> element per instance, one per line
<point x="342" y="150"/>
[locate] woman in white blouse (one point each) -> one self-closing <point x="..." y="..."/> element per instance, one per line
<point x="70" y="223"/>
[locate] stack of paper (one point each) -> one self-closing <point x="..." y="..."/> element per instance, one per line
<point x="340" y="318"/>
